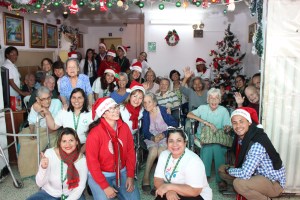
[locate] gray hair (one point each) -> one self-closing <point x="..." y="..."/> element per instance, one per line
<point x="166" y="79"/>
<point x="197" y="78"/>
<point x="152" y="96"/>
<point x="27" y="76"/>
<point x="124" y="74"/>
<point x="42" y="90"/>
<point x="149" y="72"/>
<point x="214" y="91"/>
<point x="72" y="59"/>
<point x="48" y="77"/>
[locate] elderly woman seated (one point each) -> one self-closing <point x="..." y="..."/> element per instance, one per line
<point x="215" y="117"/>
<point x="27" y="160"/>
<point x="155" y="123"/>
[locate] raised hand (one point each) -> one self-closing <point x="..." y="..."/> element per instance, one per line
<point x="44" y="161"/>
<point x="239" y="98"/>
<point x="187" y="72"/>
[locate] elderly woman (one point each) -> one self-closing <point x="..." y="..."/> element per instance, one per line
<point x="165" y="97"/>
<point x="104" y="86"/>
<point x="150" y="84"/>
<point x="155" y="123"/>
<point x="176" y="84"/>
<point x="63" y="172"/>
<point x="180" y="173"/>
<point x="132" y="110"/>
<point x="110" y="154"/>
<point x="196" y="92"/>
<point x="215" y="117"/>
<point x="120" y="94"/>
<point x="74" y="80"/>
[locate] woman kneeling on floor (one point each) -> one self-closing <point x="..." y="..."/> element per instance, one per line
<point x="180" y="173"/>
<point x="63" y="172"/>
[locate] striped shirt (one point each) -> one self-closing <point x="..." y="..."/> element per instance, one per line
<point x="258" y="162"/>
<point x="168" y="100"/>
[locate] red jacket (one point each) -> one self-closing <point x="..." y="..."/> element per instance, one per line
<point x="99" y="153"/>
<point x="108" y="65"/>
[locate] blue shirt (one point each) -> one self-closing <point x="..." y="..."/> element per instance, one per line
<point x="83" y="82"/>
<point x="118" y="98"/>
<point x="258" y="162"/>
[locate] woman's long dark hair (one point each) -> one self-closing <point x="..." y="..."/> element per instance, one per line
<point x="104" y="84"/>
<point x="86" y="63"/>
<point x="93" y="125"/>
<point x="85" y="103"/>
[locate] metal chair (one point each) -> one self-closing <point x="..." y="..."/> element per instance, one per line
<point x="19" y="184"/>
<point x="138" y="150"/>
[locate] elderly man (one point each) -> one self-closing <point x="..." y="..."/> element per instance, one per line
<point x="258" y="173"/>
<point x="48" y="83"/>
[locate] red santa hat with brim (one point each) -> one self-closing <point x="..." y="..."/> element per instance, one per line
<point x="102" y="105"/>
<point x="102" y="45"/>
<point x="200" y="61"/>
<point x="134" y="85"/>
<point x="248" y="113"/>
<point x="124" y="49"/>
<point x="72" y="54"/>
<point x="136" y="66"/>
<point x="111" y="53"/>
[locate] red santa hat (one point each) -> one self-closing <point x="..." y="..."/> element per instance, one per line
<point x="102" y="105"/>
<point x="111" y="53"/>
<point x="136" y="66"/>
<point x="124" y="49"/>
<point x="72" y="54"/>
<point x="102" y="45"/>
<point x="109" y="71"/>
<point x="200" y="61"/>
<point x="249" y="113"/>
<point x="134" y="85"/>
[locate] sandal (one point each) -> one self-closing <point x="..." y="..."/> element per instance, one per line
<point x="146" y="188"/>
<point x="222" y="186"/>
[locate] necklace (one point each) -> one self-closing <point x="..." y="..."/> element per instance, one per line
<point x="169" y="179"/>
<point x="76" y="122"/>
<point x="62" y="179"/>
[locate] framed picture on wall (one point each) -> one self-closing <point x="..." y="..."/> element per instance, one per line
<point x="251" y="32"/>
<point x="13" y="27"/>
<point x="51" y="36"/>
<point x="37" y="35"/>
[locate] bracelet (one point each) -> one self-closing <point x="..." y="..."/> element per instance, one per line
<point x="226" y="169"/>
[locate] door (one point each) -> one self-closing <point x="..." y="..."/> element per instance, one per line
<point x="111" y="43"/>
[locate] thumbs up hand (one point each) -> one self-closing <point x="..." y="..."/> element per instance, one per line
<point x="44" y="161"/>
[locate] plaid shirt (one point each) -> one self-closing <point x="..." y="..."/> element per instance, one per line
<point x="258" y="162"/>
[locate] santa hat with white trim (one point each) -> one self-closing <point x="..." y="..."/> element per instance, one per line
<point x="102" y="45"/>
<point x="134" y="85"/>
<point x="248" y="113"/>
<point x="124" y="49"/>
<point x="200" y="61"/>
<point x="136" y="66"/>
<point x="72" y="54"/>
<point x="111" y="53"/>
<point x="102" y="105"/>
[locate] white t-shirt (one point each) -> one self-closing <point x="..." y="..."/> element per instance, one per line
<point x="98" y="90"/>
<point x="206" y="75"/>
<point x="13" y="74"/>
<point x="65" y="118"/>
<point x="145" y="66"/>
<point x="49" y="179"/>
<point x="190" y="170"/>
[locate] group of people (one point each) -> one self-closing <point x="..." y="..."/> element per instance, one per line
<point x="99" y="104"/>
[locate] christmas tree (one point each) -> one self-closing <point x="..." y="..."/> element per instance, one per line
<point x="226" y="63"/>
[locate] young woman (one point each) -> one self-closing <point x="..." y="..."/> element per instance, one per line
<point x="63" y="172"/>
<point x="110" y="154"/>
<point x="88" y="65"/>
<point x="135" y="74"/>
<point x="46" y="65"/>
<point x="120" y="94"/>
<point x="77" y="116"/>
<point x="104" y="86"/>
<point x="142" y="58"/>
<point x="180" y="173"/>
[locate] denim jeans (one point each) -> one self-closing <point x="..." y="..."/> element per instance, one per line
<point x="122" y="194"/>
<point x="42" y="194"/>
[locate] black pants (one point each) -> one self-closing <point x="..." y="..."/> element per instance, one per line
<point x="181" y="198"/>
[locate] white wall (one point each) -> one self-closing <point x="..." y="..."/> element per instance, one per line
<point x="132" y="35"/>
<point x="189" y="48"/>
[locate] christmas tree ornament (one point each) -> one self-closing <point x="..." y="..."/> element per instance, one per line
<point x="126" y="7"/>
<point x="185" y="4"/>
<point x="225" y="11"/>
<point x="141" y="4"/>
<point x="161" y="6"/>
<point x="198" y="3"/>
<point x="172" y="38"/>
<point x="120" y="3"/>
<point x="38" y="6"/>
<point x="109" y="4"/>
<point x="23" y="1"/>
<point x="81" y="3"/>
<point x="205" y="4"/>
<point x="178" y="4"/>
<point x="73" y="7"/>
<point x="103" y="7"/>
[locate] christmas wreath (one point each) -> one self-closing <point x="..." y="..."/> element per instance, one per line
<point x="172" y="38"/>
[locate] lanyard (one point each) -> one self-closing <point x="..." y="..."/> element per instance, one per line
<point x="76" y="122"/>
<point x="62" y="179"/>
<point x="169" y="179"/>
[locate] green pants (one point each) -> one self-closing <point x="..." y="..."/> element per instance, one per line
<point x="212" y="152"/>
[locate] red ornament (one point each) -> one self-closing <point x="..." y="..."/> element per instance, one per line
<point x="103" y="7"/>
<point x="73" y="7"/>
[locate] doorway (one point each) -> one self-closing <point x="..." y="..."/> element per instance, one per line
<point x="111" y="43"/>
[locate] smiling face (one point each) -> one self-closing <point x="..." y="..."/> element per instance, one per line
<point x="239" y="82"/>
<point x="109" y="77"/>
<point x="90" y="54"/>
<point x="149" y="104"/>
<point x="256" y="82"/>
<point x="164" y="86"/>
<point x="122" y="81"/>
<point x="77" y="100"/>
<point x="150" y="76"/>
<point x="44" y="100"/>
<point x="213" y="101"/>
<point x="240" y="125"/>
<point x="252" y="94"/>
<point x="176" y="144"/>
<point x="136" y="98"/>
<point x="112" y="114"/>
<point x="12" y="56"/>
<point x="50" y="84"/>
<point x="68" y="143"/>
<point x="175" y="77"/>
<point x="46" y="66"/>
<point x="72" y="68"/>
<point x="59" y="72"/>
<point x="136" y="74"/>
<point x="197" y="85"/>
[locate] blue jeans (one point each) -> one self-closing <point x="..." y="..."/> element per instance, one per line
<point x="122" y="194"/>
<point x="42" y="194"/>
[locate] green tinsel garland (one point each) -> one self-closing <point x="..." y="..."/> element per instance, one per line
<point x="257" y="8"/>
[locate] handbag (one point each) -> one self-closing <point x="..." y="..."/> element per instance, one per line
<point x="218" y="137"/>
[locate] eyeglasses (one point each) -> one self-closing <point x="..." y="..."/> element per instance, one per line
<point x="45" y="99"/>
<point x="114" y="109"/>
